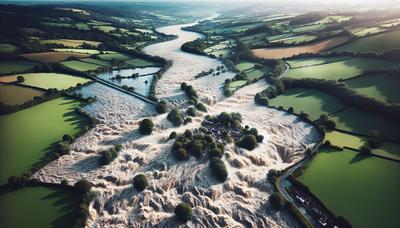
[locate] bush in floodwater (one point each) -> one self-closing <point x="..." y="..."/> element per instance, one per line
<point x="146" y="127"/>
<point x="181" y="154"/>
<point x="161" y="107"/>
<point x="172" y="135"/>
<point x="201" y="107"/>
<point x="218" y="168"/>
<point x="175" y="117"/>
<point x="183" y="212"/>
<point x="83" y="186"/>
<point x="248" y="142"/>
<point x="191" y="111"/>
<point x="140" y="182"/>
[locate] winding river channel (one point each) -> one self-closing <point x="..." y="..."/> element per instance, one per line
<point x="240" y="201"/>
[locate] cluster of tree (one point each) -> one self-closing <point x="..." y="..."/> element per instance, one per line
<point x="107" y="156"/>
<point x="348" y="96"/>
<point x="146" y="127"/>
<point x="196" y="46"/>
<point x="196" y="144"/>
<point x="183" y="212"/>
<point x="248" y="142"/>
<point x="190" y="92"/>
<point x="229" y="120"/>
<point x="140" y="182"/>
<point x="276" y="88"/>
<point x="156" y="77"/>
<point x="175" y="117"/>
<point x="307" y="18"/>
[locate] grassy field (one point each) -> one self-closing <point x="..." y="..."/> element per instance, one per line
<point x="80" y="66"/>
<point x="237" y="84"/>
<point x="312" y="102"/>
<point x="388" y="149"/>
<point x="58" y="24"/>
<point x="97" y="62"/>
<point x="43" y="207"/>
<point x="7" y="48"/>
<point x="70" y="43"/>
<point x="383" y="87"/>
<point x="257" y="73"/>
<point x="140" y="63"/>
<point x="105" y="28"/>
<point x="27" y="136"/>
<point x="360" y="32"/>
<point x="297" y="39"/>
<point x="357" y="121"/>
<point x="340" y="70"/>
<point x="296" y="63"/>
<point x="116" y="56"/>
<point x="244" y="65"/>
<point x="47" y="80"/>
<point x="284" y="52"/>
<point x="308" y="28"/>
<point x="17" y="66"/>
<point x="362" y="189"/>
<point x="378" y="43"/>
<point x="53" y="57"/>
<point x="15" y="95"/>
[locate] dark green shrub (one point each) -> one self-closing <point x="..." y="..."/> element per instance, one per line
<point x="218" y="168"/>
<point x="201" y="107"/>
<point x="215" y="152"/>
<point x="181" y="154"/>
<point x="290" y="109"/>
<point x="183" y="212"/>
<point x="375" y="139"/>
<point x="260" y="138"/>
<point x="197" y="150"/>
<point x="191" y="111"/>
<point x="248" y="142"/>
<point x="184" y="85"/>
<point x="175" y="117"/>
<point x="172" y="135"/>
<point x="68" y="138"/>
<point x="365" y="149"/>
<point x="140" y="182"/>
<point x="108" y="156"/>
<point x="161" y="107"/>
<point x="83" y="186"/>
<point x="146" y="127"/>
<point x="227" y="92"/>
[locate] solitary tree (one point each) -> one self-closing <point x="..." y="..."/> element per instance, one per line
<point x="83" y="186"/>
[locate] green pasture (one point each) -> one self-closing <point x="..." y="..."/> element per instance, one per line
<point x="43" y="207"/>
<point x="80" y="66"/>
<point x="360" y="32"/>
<point x="16" y="95"/>
<point x="244" y="65"/>
<point x="340" y="70"/>
<point x="297" y="39"/>
<point x="383" y="87"/>
<point x="114" y="56"/>
<point x="377" y="43"/>
<point x="237" y="84"/>
<point x="17" y="66"/>
<point x="257" y="73"/>
<point x="312" y="102"/>
<point x="29" y="135"/>
<point x="362" y="189"/>
<point x="96" y="61"/>
<point x="306" y="62"/>
<point x="81" y="50"/>
<point x="355" y="120"/>
<point x="47" y="80"/>
<point x="308" y="28"/>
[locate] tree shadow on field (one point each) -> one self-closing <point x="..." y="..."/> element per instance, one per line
<point x="358" y="157"/>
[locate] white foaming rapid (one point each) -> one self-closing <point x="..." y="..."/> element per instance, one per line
<point x="241" y="201"/>
<point x="185" y="67"/>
